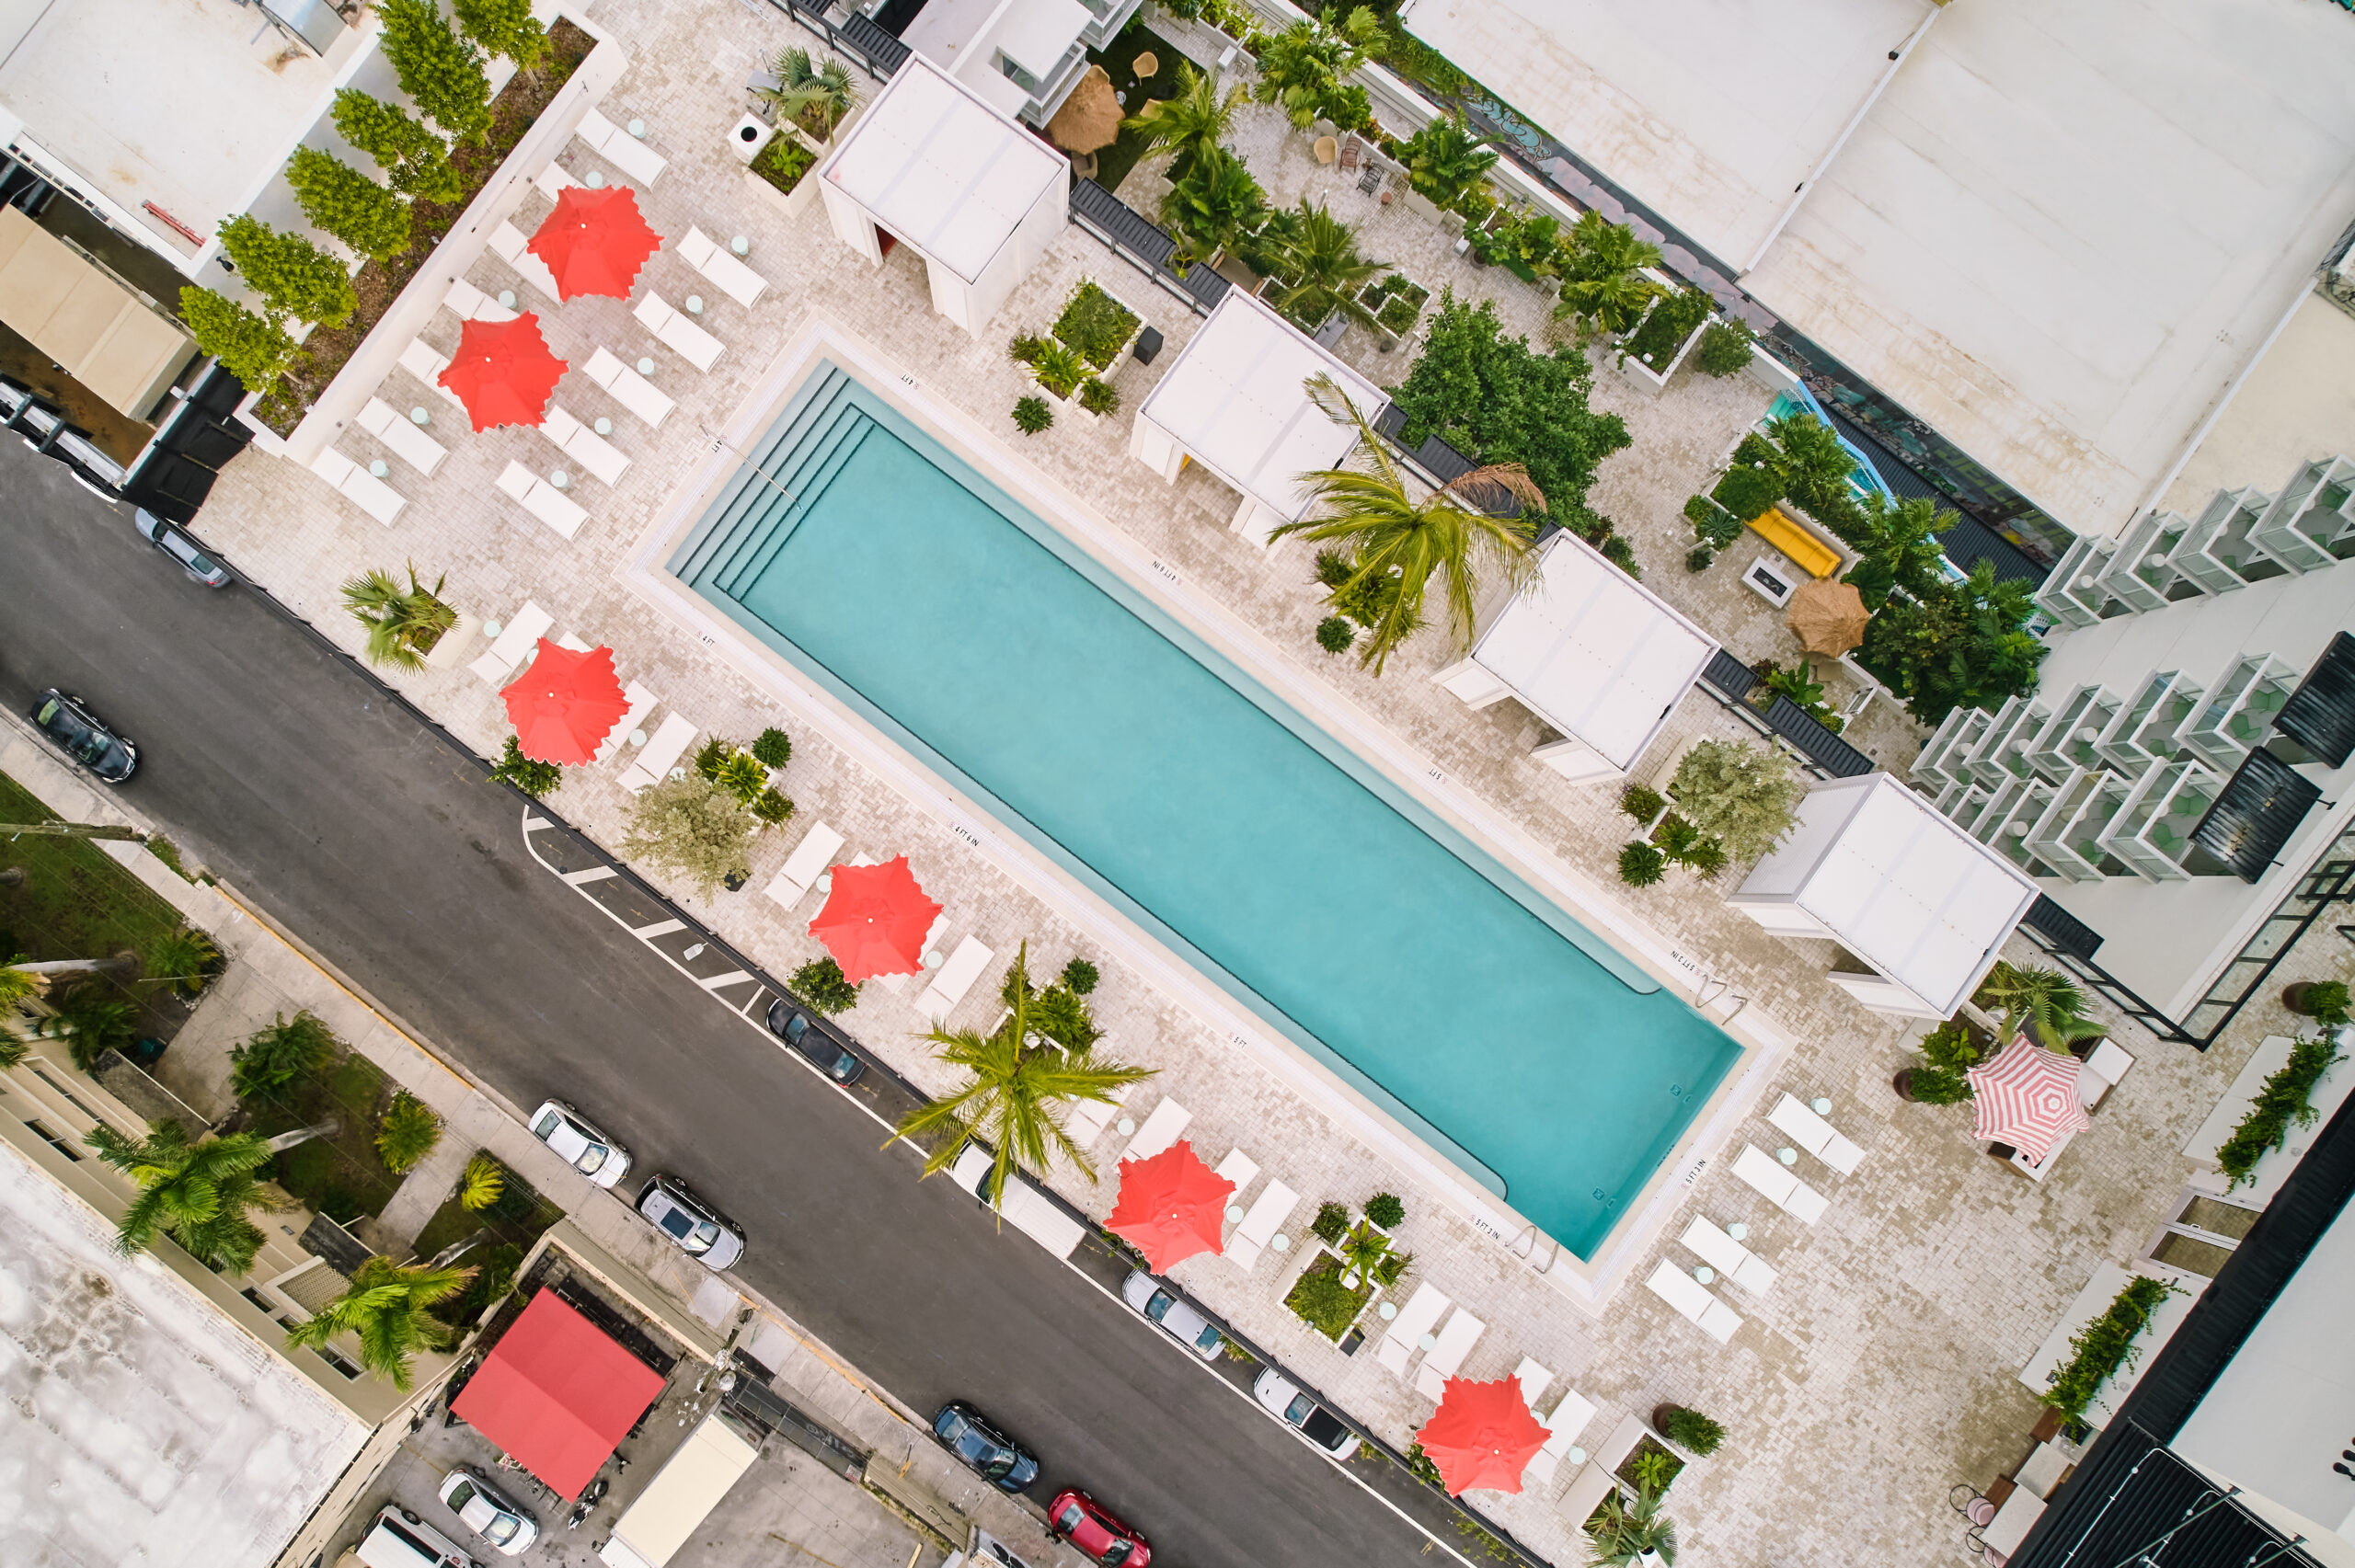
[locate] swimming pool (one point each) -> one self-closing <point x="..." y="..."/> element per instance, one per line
<point x="1311" y="888"/>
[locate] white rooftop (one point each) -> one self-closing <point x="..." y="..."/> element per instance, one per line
<point x="1594" y="652"/>
<point x="943" y="170"/>
<point x="137" y="1424"/>
<point x="1038" y="34"/>
<point x="1235" y="398"/>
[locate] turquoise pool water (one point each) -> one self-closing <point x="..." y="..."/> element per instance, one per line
<point x="1314" y="891"/>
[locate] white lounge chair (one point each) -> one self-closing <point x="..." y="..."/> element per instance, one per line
<point x="641" y="701"/>
<point x="955" y="979"/>
<point x="514" y="643"/>
<point x="621" y="149"/>
<point x="1729" y="1257"/>
<point x="583" y="445"/>
<point x="1785" y="1191"/>
<point x="1563" y="1424"/>
<point x="511" y="246"/>
<point x="1086" y="1119"/>
<point x="1239" y="1168"/>
<point x="631" y="390"/>
<point x="2102" y="1071"/>
<point x="1456" y="1341"/>
<point x="1692" y="1300"/>
<point x="661" y="752"/>
<point x="1260" y="1222"/>
<point x="1815" y="1135"/>
<point x="470" y="304"/>
<point x="543" y="500"/>
<point x="678" y="334"/>
<point x="727" y="274"/>
<point x="553" y="179"/>
<point x="1161" y="1129"/>
<point x="401" y="437"/>
<point x="791" y="884"/>
<point x="419" y="360"/>
<point x="366" y="491"/>
<point x="1423" y="1310"/>
<point x="1534" y="1379"/>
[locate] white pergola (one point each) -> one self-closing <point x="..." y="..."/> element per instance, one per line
<point x="956" y="180"/>
<point x="1236" y="401"/>
<point x="1873" y="866"/>
<point x="1592" y="652"/>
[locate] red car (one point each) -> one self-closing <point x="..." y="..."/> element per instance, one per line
<point x="1078" y="1518"/>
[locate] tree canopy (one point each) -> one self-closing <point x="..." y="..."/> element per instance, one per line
<point x="1958" y="644"/>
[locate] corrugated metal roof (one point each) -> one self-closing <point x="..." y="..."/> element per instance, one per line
<point x="2320" y="715"/>
<point x="2259" y="808"/>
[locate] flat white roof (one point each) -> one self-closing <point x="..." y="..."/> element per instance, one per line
<point x="1037" y="34"/>
<point x="1594" y="652"/>
<point x="945" y="171"/>
<point x="137" y="1424"/>
<point x="1237" y="400"/>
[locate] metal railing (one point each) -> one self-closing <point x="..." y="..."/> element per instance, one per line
<point x="1821" y="753"/>
<point x="1144" y="245"/>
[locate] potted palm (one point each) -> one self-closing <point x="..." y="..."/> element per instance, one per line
<point x="812" y="99"/>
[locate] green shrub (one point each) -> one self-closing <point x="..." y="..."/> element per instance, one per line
<point x="1640" y="864"/>
<point x="1694" y="1432"/>
<point x="94" y="1018"/>
<point x="2325" y="1002"/>
<point x="341" y="200"/>
<point x="1032" y="415"/>
<point x="1712" y="524"/>
<point x="694" y="828"/>
<point x="1419" y="1466"/>
<point x="772" y="807"/>
<point x="1026" y="349"/>
<point x="1080" y="976"/>
<point x="1059" y="367"/>
<point x="782" y="162"/>
<point x="1620" y="554"/>
<point x="1332" y="1223"/>
<point x="442" y="73"/>
<point x="1334" y="634"/>
<point x="774" y="749"/>
<point x="273" y="1058"/>
<point x="1939" y="1086"/>
<point x="1724" y="348"/>
<point x="1664" y="330"/>
<point x="1698" y="558"/>
<point x="1749" y="493"/>
<point x="483" y="1184"/>
<point x="532" y="777"/>
<point x="1098" y="396"/>
<point x="412" y="156"/>
<point x="2105" y="1345"/>
<point x="820" y="983"/>
<point x="406" y="1133"/>
<point x="2281" y="1104"/>
<point x="1755" y="451"/>
<point x="292" y="275"/>
<point x="1700" y="511"/>
<point x="1096" y="326"/>
<point x="1063" y="1017"/>
<point x="1640" y="801"/>
<point x="504" y="26"/>
<point x="1319" y="1298"/>
<point x="1744" y="797"/>
<point x="184" y="959"/>
<point x="1385" y="1210"/>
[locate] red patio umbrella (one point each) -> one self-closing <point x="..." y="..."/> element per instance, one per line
<point x="875" y="920"/>
<point x="595" y="241"/>
<point x="1482" y="1435"/>
<point x="565" y="703"/>
<point x="504" y="371"/>
<point x="2027" y="1097"/>
<point x="1171" y="1206"/>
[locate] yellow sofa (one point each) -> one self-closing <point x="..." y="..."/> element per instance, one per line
<point x="1808" y="553"/>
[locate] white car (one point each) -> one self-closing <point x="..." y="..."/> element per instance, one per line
<point x="1284" y="1401"/>
<point x="486" y="1512"/>
<point x="1178" y="1320"/>
<point x="576" y="1137"/>
<point x="398" y="1539"/>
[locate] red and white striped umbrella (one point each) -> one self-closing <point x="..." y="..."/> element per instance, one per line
<point x="2027" y="1097"/>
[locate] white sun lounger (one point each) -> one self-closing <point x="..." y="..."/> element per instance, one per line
<point x="470" y="304"/>
<point x="1563" y="1424"/>
<point x="517" y="638"/>
<point x="1456" y="1341"/>
<point x="583" y="445"/>
<point x="1414" y="1320"/>
<point x="791" y="885"/>
<point x="1086" y="1119"/>
<point x="553" y="179"/>
<point x="1161" y="1129"/>
<point x="621" y="149"/>
<point x="364" y="490"/>
<point x="955" y="979"/>
<point x="678" y="334"/>
<point x="419" y="360"/>
<point x="631" y="390"/>
<point x="1534" y="1379"/>
<point x="661" y="753"/>
<point x="641" y="701"/>
<point x="1729" y="1257"/>
<point x="401" y="437"/>
<point x="1815" y="1135"/>
<point x="1692" y="1300"/>
<point x="1239" y="1168"/>
<point x="1787" y="1192"/>
<point x="727" y="274"/>
<point x="543" y="500"/>
<point x="1260" y="1222"/>
<point x="512" y="246"/>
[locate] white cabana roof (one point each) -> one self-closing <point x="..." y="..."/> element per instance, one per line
<point x="1594" y="652"/>
<point x="1236" y="399"/>
<point x="943" y="170"/>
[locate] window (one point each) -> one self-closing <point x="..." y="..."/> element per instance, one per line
<point x="260" y="1302"/>
<point x="340" y="1362"/>
<point x="2202" y="1235"/>
<point x="69" y="1100"/>
<point x="1017" y="74"/>
<point x="54" y="1141"/>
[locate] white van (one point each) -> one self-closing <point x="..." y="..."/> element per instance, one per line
<point x="398" y="1539"/>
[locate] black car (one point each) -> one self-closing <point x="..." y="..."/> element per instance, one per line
<point x="75" y="731"/>
<point x="172" y="541"/>
<point x="800" y="1031"/>
<point x="986" y="1451"/>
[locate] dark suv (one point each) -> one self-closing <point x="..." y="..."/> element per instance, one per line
<point x="800" y="1031"/>
<point x="986" y="1451"/>
<point x="75" y="730"/>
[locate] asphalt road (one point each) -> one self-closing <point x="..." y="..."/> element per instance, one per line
<point x="288" y="775"/>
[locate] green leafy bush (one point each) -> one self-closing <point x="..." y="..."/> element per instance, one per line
<point x="1096" y="326"/>
<point x="1947" y="1049"/>
<point x="1663" y="331"/>
<point x="1755" y="451"/>
<point x="294" y="276"/>
<point x="504" y="26"/>
<point x="1640" y="801"/>
<point x="1080" y="976"/>
<point x="1724" y="349"/>
<point x="782" y="162"/>
<point x="1744" y="797"/>
<point x="1687" y="846"/>
<point x="694" y="828"/>
<point x="1385" y="1210"/>
<point x="774" y="747"/>
<point x="1304" y="71"/>
<point x="1059" y="367"/>
<point x="821" y="984"/>
<point x="2281" y="1104"/>
<point x="1026" y="349"/>
<point x="273" y="1058"/>
<point x="1332" y="1223"/>
<point x="1098" y="396"/>
<point x="1959" y="645"/>
<point x="1319" y="1298"/>
<point x="1748" y="493"/>
<point x="442" y="73"/>
<point x="341" y="200"/>
<point x="95" y="1018"/>
<point x="255" y="349"/>
<point x="406" y="1133"/>
<point x="1419" y="1466"/>
<point x="1640" y="864"/>
<point x="483" y="1184"/>
<point x="2105" y="1345"/>
<point x="772" y="807"/>
<point x="1694" y="1432"/>
<point x="1698" y="558"/>
<point x="184" y="959"/>
<point x="1333" y="634"/>
<point x="413" y="156"/>
<point x="2324" y="1001"/>
<point x="529" y="774"/>
<point x="1446" y="158"/>
<point x="1032" y="415"/>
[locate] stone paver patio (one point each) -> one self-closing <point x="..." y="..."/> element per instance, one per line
<point x="1881" y="1371"/>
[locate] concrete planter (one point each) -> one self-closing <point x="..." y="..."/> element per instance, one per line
<point x="1634" y="369"/>
<point x="792" y="203"/>
<point x="1422" y="206"/>
<point x="451" y="651"/>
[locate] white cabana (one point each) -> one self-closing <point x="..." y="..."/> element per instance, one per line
<point x="1873" y="866"/>
<point x="954" y="179"/>
<point x="1592" y="652"/>
<point x="1236" y="401"/>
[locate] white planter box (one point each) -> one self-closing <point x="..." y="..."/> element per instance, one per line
<point x="1642" y="375"/>
<point x="792" y="203"/>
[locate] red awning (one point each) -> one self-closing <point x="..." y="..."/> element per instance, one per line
<point x="557" y="1394"/>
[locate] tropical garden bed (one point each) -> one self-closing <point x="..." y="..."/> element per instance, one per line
<point x="1319" y="1298"/>
<point x="340" y="1176"/>
<point x="1396" y="302"/>
<point x="782" y="162"/>
<point x="1661" y="337"/>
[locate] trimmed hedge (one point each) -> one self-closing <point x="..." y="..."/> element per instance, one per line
<point x="2104" y="1346"/>
<point x="2281" y="1102"/>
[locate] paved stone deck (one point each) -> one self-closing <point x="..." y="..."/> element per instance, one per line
<point x="1882" y="1368"/>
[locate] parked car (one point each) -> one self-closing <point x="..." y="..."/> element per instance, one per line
<point x="1294" y="1409"/>
<point x="986" y="1451"/>
<point x="576" y="1137"/>
<point x="398" y="1539"/>
<point x="701" y="1230"/>
<point x="485" y="1510"/>
<point x="173" y="542"/>
<point x="75" y="730"/>
<point x="800" y="1031"/>
<point x="1078" y="1518"/>
<point x="1149" y="1296"/>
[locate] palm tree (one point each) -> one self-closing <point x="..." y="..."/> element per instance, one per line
<point x="1444" y="159"/>
<point x="1011" y="1095"/>
<point x="2046" y="1004"/>
<point x="1321" y="270"/>
<point x="1192" y="124"/>
<point x="1814" y="462"/>
<point x="384" y="1308"/>
<point x="1367" y="510"/>
<point x="198" y="1193"/>
<point x="814" y="96"/>
<point x="1628" y="1533"/>
<point x="1605" y="286"/>
<point x="399" y="619"/>
<point x="1215" y="205"/>
<point x="1898" y="548"/>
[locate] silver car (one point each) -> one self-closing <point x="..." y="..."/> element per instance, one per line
<point x="1148" y="1296"/>
<point x="485" y="1510"/>
<point x="1283" y="1400"/>
<point x="173" y="542"/>
<point x="576" y="1137"/>
<point x="701" y="1230"/>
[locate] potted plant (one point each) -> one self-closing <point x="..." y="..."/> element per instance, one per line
<point x="1688" y="1429"/>
<point x="780" y="170"/>
<point x="1946" y="1052"/>
<point x="2324" y="1001"/>
<point x="1396" y="301"/>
